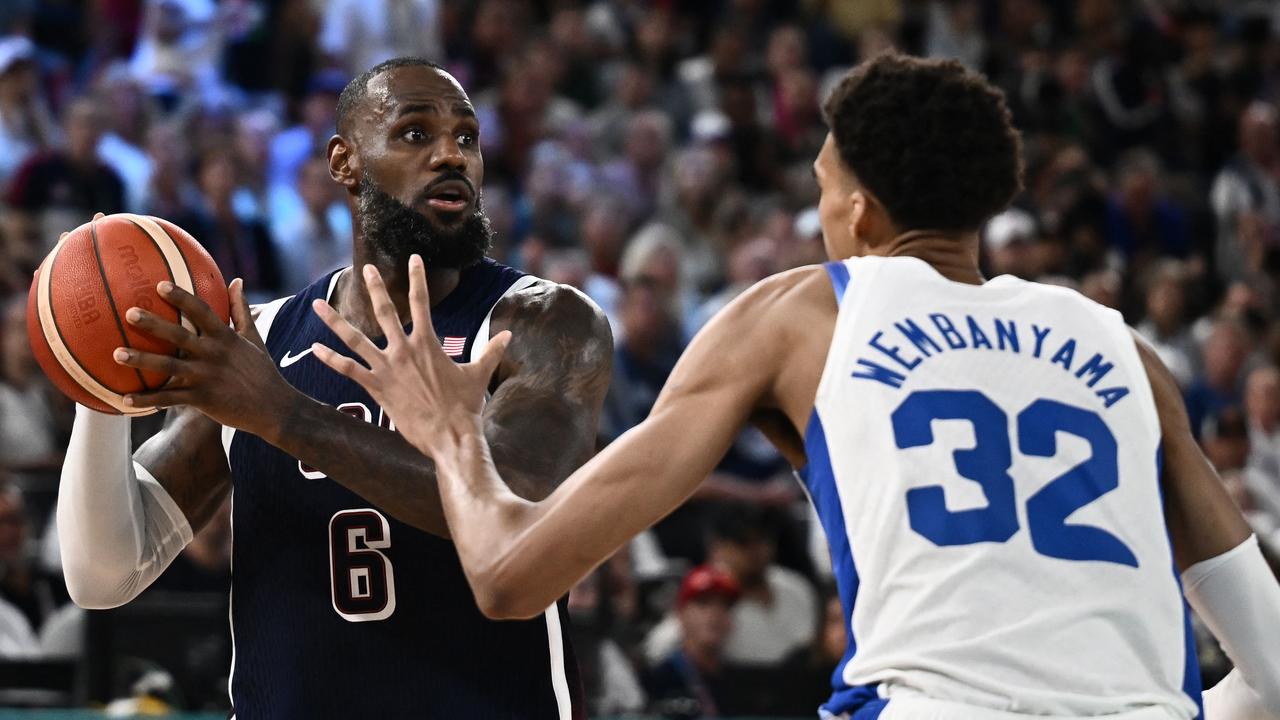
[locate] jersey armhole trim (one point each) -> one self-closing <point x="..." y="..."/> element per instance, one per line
<point x="838" y="272"/>
<point x="482" y="335"/>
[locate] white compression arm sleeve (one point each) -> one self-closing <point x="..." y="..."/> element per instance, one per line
<point x="1238" y="598"/>
<point x="117" y="527"/>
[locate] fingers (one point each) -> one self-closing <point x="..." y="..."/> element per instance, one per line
<point x="383" y="309"/>
<point x="492" y="356"/>
<point x="419" y="299"/>
<point x="98" y="216"/>
<point x="344" y="365"/>
<point x="241" y="315"/>
<point x="359" y="343"/>
<point x="159" y="398"/>
<point x="195" y="309"/>
<point x="164" y="364"/>
<point x="162" y="329"/>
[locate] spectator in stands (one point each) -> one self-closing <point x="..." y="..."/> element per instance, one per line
<point x="60" y="189"/>
<point x="689" y="681"/>
<point x="1165" y="325"/>
<point x="1262" y="410"/>
<point x="179" y="50"/>
<point x="643" y="357"/>
<point x="26" y="125"/>
<point x="608" y="677"/>
<point x="778" y="609"/>
<point x="313" y="237"/>
<point x="293" y="147"/>
<point x="127" y="111"/>
<point x="1009" y="245"/>
<point x="23" y="583"/>
<point x="28" y="436"/>
<point x="358" y="34"/>
<point x="170" y="193"/>
<point x="1247" y="189"/>
<point x="240" y="245"/>
<point x="808" y="672"/>
<point x="1143" y="222"/>
<point x="1218" y="384"/>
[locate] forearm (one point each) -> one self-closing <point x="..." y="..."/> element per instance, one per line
<point x="1238" y="598"/>
<point x="496" y="535"/>
<point x="117" y="528"/>
<point x="371" y="461"/>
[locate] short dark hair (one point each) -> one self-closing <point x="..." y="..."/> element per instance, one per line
<point x="358" y="88"/>
<point x="934" y="142"/>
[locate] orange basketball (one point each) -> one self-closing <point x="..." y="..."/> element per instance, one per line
<point x="77" y="303"/>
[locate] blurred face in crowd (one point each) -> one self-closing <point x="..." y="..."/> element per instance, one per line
<point x="19" y="82"/>
<point x="411" y="157"/>
<point x="217" y="178"/>
<point x="646" y="323"/>
<point x="1258" y="128"/>
<point x="18" y="362"/>
<point x="603" y="232"/>
<point x="13" y="525"/>
<point x="1166" y="302"/>
<point x="1262" y="398"/>
<point x="646" y="144"/>
<point x="834" y="639"/>
<point x="84" y="127"/>
<point x="1224" y="355"/>
<point x="315" y="187"/>
<point x="746" y="561"/>
<point x="705" y="622"/>
<point x="786" y="50"/>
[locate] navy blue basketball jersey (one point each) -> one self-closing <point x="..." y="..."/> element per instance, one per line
<point x="338" y="610"/>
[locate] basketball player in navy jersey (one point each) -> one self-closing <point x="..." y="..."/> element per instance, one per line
<point x="348" y="599"/>
<point x="949" y="429"/>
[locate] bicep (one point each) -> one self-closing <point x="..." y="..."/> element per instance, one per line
<point x="1203" y="521"/>
<point x="187" y="459"/>
<point x="541" y="421"/>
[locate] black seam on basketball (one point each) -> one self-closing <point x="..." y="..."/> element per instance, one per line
<point x="53" y="313"/>
<point x="106" y="286"/>
<point x="168" y="270"/>
<point x="177" y="246"/>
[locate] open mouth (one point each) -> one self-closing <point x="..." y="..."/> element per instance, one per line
<point x="450" y="196"/>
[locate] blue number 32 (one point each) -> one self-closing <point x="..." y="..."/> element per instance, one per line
<point x="988" y="462"/>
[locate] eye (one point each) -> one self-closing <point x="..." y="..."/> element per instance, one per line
<point x="414" y="134"/>
<point x="466" y="140"/>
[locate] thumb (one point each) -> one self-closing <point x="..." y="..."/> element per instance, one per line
<point x="241" y="315"/>
<point x="488" y="361"/>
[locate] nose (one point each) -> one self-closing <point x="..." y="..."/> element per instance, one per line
<point x="446" y="155"/>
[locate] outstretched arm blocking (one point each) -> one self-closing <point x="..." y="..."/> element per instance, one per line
<point x="520" y="556"/>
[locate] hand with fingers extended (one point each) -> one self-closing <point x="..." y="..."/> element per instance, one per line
<point x="224" y="372"/>
<point x="432" y="399"/>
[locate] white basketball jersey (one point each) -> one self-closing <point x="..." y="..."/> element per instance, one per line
<point x="984" y="460"/>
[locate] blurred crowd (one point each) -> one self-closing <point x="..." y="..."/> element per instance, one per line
<point x="656" y="155"/>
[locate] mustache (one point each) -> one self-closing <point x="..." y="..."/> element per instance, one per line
<point x="446" y="176"/>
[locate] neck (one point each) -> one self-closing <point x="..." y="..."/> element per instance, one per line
<point x="351" y="298"/>
<point x="955" y="256"/>
<point x="703" y="657"/>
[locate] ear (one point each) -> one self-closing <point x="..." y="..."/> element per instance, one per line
<point x="344" y="164"/>
<point x="857" y="215"/>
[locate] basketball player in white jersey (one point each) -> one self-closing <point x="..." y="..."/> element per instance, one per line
<point x="1005" y="473"/>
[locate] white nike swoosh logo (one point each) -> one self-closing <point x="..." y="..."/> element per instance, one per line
<point x="288" y="359"/>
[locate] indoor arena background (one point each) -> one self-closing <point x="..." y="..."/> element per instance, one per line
<point x="656" y="155"/>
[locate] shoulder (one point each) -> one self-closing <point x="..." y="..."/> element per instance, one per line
<point x="553" y="325"/>
<point x="547" y="309"/>
<point x="790" y="583"/>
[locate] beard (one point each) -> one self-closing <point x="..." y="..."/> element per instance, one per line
<point x="396" y="231"/>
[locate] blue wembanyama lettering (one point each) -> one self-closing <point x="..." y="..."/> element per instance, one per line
<point x="896" y="352"/>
